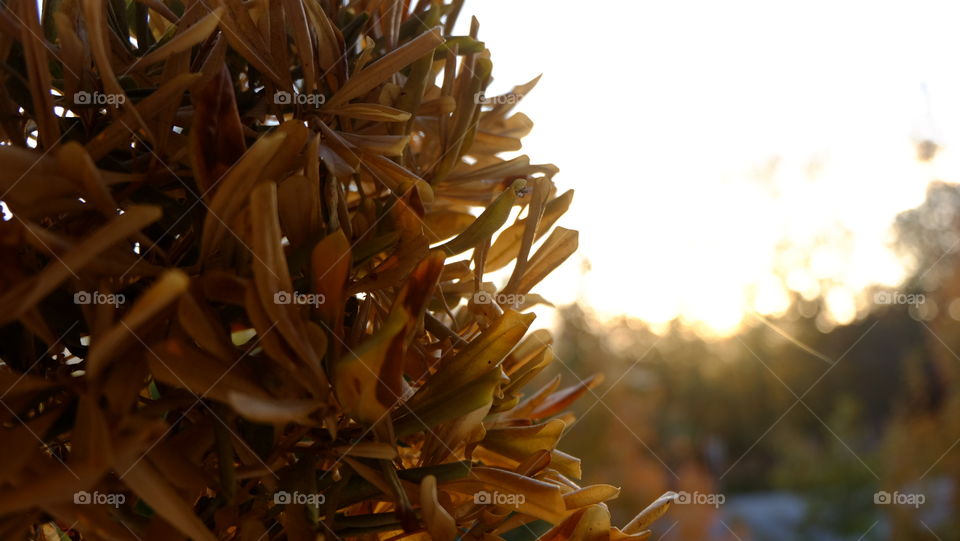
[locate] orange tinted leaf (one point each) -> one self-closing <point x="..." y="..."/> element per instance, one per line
<point x="330" y="267"/>
<point x="560" y="245"/>
<point x="588" y="524"/>
<point x="439" y="523"/>
<point x="559" y="401"/>
<point x="541" y="500"/>
<point x="590" y="495"/>
<point x="651" y="513"/>
<point x="520" y="442"/>
<point x="271" y="410"/>
<point x="368" y="380"/>
<point x="481" y="356"/>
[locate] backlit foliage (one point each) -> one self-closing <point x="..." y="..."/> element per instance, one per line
<point x="244" y="259"/>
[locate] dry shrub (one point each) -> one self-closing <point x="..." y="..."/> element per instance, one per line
<point x="242" y="274"/>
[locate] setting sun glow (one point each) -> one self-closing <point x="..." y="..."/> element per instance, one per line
<point x="724" y="177"/>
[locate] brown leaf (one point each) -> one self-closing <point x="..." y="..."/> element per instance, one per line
<point x="330" y="267"/>
<point x="651" y="513"/>
<point x="272" y="410"/>
<point x="180" y="365"/>
<point x="184" y="40"/>
<point x="439" y="523"/>
<point x="161" y="294"/>
<point x="216" y="136"/>
<point x="151" y="485"/>
<point x="26" y="294"/>
<point x="366" y="79"/>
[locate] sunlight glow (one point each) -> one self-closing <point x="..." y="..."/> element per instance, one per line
<point x="712" y="180"/>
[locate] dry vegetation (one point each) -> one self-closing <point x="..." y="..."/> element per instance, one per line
<point x="215" y="295"/>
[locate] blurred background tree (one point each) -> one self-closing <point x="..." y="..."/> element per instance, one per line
<point x="796" y="427"/>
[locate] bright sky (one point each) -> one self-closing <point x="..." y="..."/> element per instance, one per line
<point x="700" y="136"/>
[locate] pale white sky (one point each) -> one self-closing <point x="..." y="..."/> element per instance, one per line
<point x="700" y="135"/>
